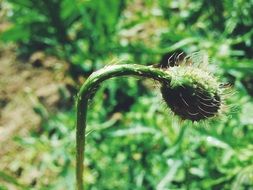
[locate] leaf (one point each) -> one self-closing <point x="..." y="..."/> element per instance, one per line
<point x="15" y="33"/>
<point x="11" y="180"/>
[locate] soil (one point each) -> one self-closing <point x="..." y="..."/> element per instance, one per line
<point x="29" y="91"/>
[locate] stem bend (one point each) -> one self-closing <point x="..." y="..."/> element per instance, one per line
<point x="87" y="90"/>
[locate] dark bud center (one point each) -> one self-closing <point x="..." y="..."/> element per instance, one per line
<point x="190" y="103"/>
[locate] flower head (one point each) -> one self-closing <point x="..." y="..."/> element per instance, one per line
<point x="193" y="93"/>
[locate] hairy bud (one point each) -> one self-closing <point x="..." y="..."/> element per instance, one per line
<point x="192" y="94"/>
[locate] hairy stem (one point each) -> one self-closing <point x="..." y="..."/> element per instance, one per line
<point x="88" y="89"/>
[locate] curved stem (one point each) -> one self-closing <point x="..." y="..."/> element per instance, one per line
<point x="88" y="89"/>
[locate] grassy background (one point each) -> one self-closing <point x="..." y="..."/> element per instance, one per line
<point x="134" y="142"/>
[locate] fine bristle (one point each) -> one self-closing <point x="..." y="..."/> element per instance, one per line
<point x="193" y="93"/>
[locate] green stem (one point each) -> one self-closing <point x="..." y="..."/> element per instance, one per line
<point x="88" y="89"/>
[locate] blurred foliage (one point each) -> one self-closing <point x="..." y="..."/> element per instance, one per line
<point x="133" y="141"/>
<point x="78" y="31"/>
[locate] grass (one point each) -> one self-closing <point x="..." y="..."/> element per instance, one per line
<point x="131" y="141"/>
